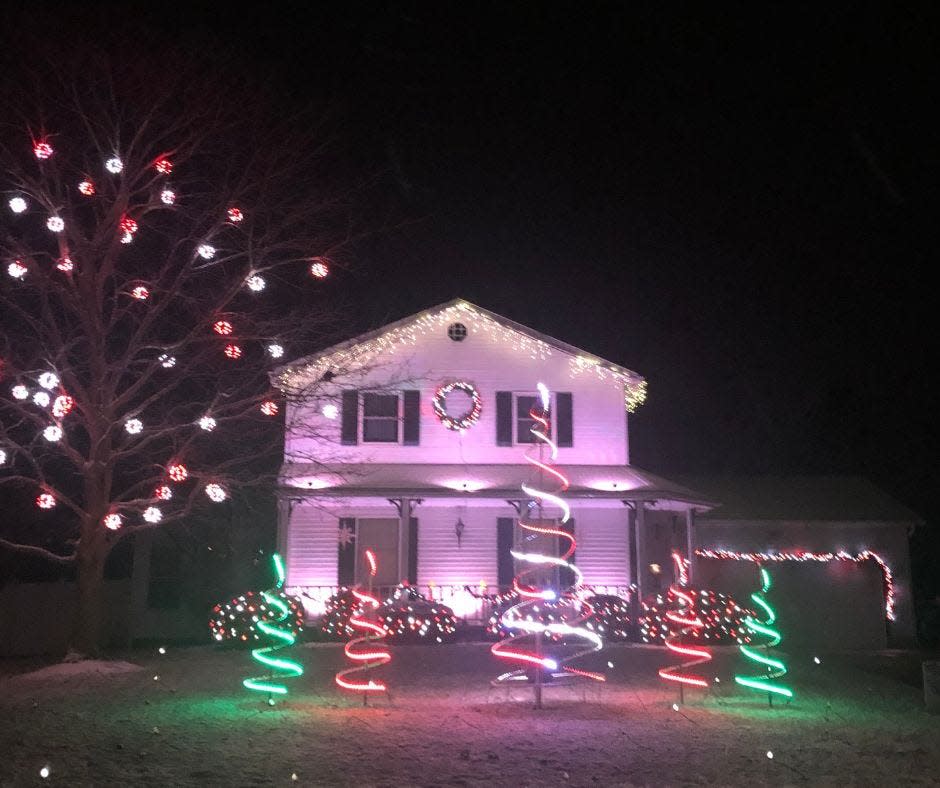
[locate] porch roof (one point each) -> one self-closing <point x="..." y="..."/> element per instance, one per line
<point x="499" y="481"/>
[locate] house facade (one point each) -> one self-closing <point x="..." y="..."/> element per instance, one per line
<point x="411" y="441"/>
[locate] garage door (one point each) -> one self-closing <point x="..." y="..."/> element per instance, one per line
<point x="824" y="606"/>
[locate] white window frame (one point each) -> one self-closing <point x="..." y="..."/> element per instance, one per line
<point x="515" y="417"/>
<point x="399" y="419"/>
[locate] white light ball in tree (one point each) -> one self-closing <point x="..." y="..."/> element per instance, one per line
<point x="168" y="197"/>
<point x="20" y="392"/>
<point x="17" y="270"/>
<point x="45" y="501"/>
<point x="319" y="269"/>
<point x="127" y="238"/>
<point x="65" y="264"/>
<point x="113" y="521"/>
<point x="216" y="493"/>
<point x="52" y="433"/>
<point x="48" y="380"/>
<point x="55" y="224"/>
<point x="133" y="426"/>
<point x="18" y="204"/>
<point x="3" y="457"/>
<point x="207" y="423"/>
<point x="167" y="361"/>
<point x="141" y="293"/>
<point x="152" y="514"/>
<point x="275" y="350"/>
<point x="255" y="283"/>
<point x="41" y="398"/>
<point x="206" y="251"/>
<point x="114" y="165"/>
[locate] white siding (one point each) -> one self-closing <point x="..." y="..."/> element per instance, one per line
<point x="440" y="560"/>
<point x="492" y="365"/>
<point x="312" y="547"/>
<point x="603" y="546"/>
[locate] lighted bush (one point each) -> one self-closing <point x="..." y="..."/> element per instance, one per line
<point x="237" y="620"/>
<point x="721" y="615"/>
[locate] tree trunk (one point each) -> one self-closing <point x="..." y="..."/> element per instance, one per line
<point x="87" y="635"/>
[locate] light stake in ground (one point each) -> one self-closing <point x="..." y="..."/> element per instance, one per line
<point x="277" y="628"/>
<point x="685" y="617"/>
<point x="365" y="649"/>
<point x="773" y="669"/>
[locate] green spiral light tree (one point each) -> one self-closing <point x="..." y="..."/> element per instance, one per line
<point x="773" y="668"/>
<point x="278" y="629"/>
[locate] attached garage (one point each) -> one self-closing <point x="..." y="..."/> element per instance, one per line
<point x="837" y="548"/>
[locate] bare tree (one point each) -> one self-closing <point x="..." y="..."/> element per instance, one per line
<point x="164" y="241"/>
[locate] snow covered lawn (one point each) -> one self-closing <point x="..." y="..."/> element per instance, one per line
<point x="183" y="719"/>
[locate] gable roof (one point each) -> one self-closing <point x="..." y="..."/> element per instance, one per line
<point x="358" y="350"/>
<point x="802" y="498"/>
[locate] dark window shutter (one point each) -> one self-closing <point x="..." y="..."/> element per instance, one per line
<point x="411" y="431"/>
<point x="566" y="576"/>
<point x="350" y="418"/>
<point x="504" y="418"/>
<point x="564" y="422"/>
<point x="346" y="559"/>
<point x="504" y="561"/>
<point x="413" y="551"/>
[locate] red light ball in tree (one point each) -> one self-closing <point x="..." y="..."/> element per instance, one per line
<point x="222" y="327"/>
<point x="140" y="293"/>
<point x="163" y="165"/>
<point x="42" y="150"/>
<point x="86" y="188"/>
<point x="235" y="215"/>
<point x="163" y="493"/>
<point x="178" y="472"/>
<point x="269" y="408"/>
<point x="233" y="351"/>
<point x="128" y="225"/>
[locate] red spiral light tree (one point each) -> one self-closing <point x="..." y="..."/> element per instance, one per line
<point x="540" y="615"/>
<point x="685" y="617"/>
<point x="364" y="650"/>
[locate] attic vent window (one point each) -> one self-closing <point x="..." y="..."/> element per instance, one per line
<point x="457" y="332"/>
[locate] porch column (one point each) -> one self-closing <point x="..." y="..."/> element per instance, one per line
<point x="640" y="548"/>
<point x="404" y="520"/>
<point x="284" y="506"/>
<point x="690" y="541"/>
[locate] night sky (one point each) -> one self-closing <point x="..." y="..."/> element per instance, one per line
<point x="740" y="208"/>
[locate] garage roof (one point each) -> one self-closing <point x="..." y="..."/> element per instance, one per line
<point x="816" y="498"/>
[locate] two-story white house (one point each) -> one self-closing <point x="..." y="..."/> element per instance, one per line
<point x="411" y="440"/>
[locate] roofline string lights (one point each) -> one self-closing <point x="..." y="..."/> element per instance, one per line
<point x="518" y="618"/>
<point x="687" y="619"/>
<point x="772" y="668"/>
<point x="370" y="656"/>
<point x="278" y="667"/>
<point x="805" y="555"/>
<point x="354" y="353"/>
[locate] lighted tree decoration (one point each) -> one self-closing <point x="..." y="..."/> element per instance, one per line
<point x="365" y="650"/>
<point x="772" y="669"/>
<point x="136" y="333"/>
<point x="279" y="629"/>
<point x="529" y="632"/>
<point x="684" y="616"/>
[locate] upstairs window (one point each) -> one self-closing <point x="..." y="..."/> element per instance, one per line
<point x="380" y="418"/>
<point x="524" y="421"/>
<point x="514" y="424"/>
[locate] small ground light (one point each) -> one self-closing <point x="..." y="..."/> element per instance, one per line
<point x="770" y="754"/>
<point x="675" y="707"/>
<point x="161" y="650"/>
<point x="610" y="664"/>
<point x="816" y="660"/>
<point x="717" y="680"/>
<point x="44" y="772"/>
<point x="293" y="776"/>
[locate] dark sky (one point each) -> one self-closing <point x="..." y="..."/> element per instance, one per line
<point x="741" y="208"/>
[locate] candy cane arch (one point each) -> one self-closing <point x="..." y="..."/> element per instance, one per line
<point x="686" y="620"/>
<point x="515" y="619"/>
<point x="278" y="666"/>
<point x="772" y="668"/>
<point x="360" y="649"/>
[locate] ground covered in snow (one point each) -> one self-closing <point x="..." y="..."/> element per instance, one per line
<point x="182" y="718"/>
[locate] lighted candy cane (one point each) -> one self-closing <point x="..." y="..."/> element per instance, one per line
<point x="279" y="667"/>
<point x="773" y="668"/>
<point x="686" y="620"/>
<point x="357" y="650"/>
<point x="514" y="619"/>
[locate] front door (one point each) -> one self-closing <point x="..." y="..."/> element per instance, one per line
<point x="380" y="535"/>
